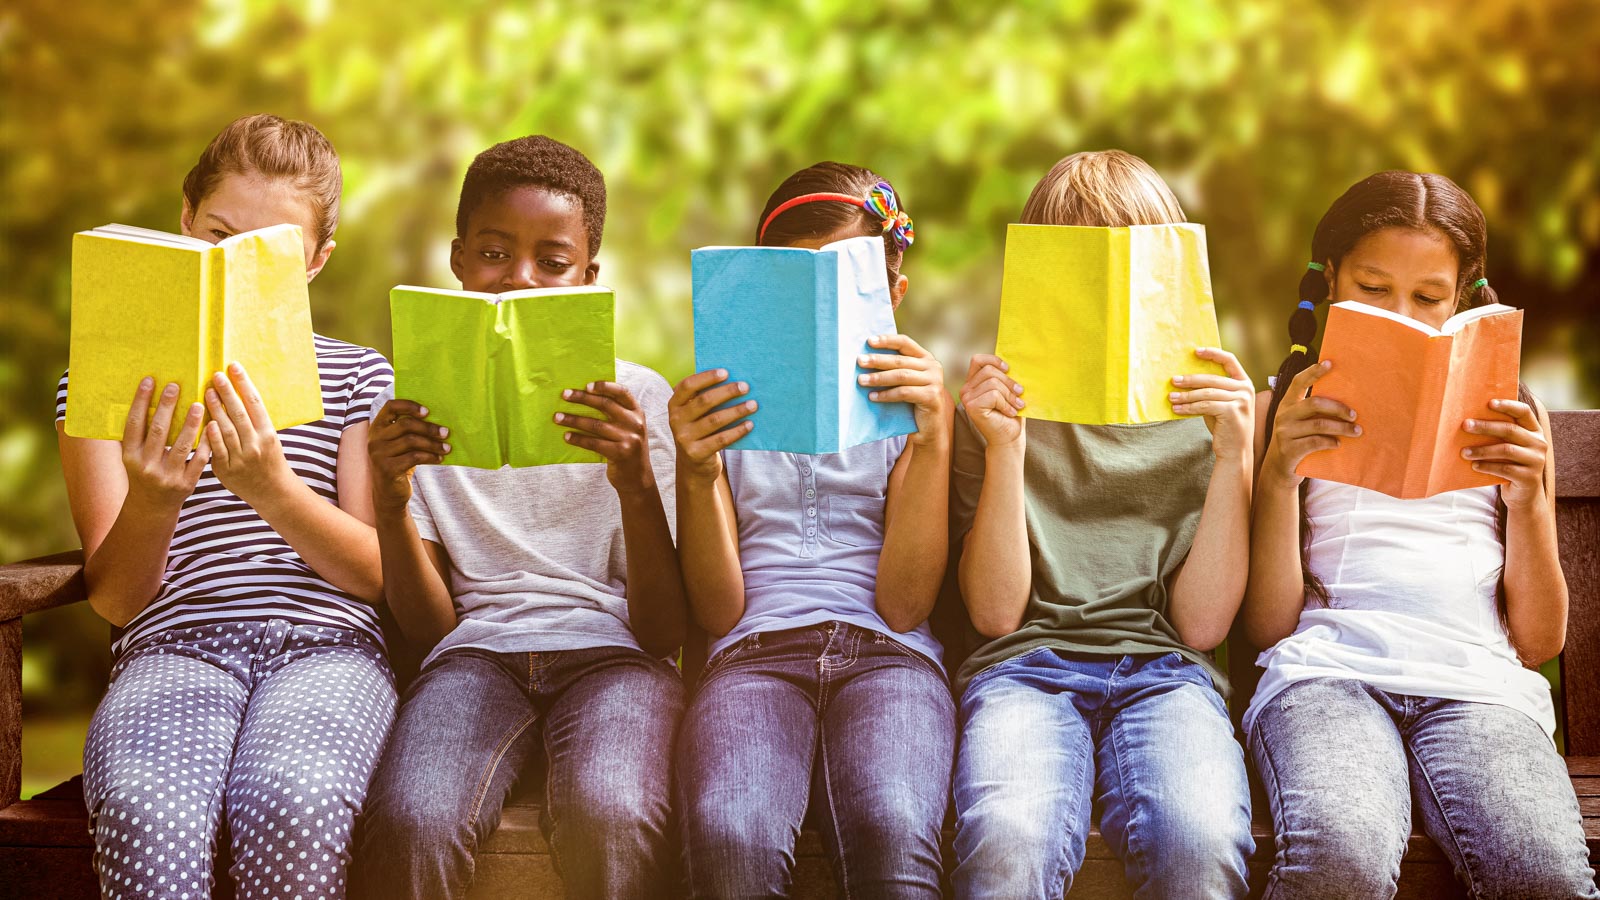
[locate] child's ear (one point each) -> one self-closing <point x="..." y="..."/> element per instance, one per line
<point x="897" y="291"/>
<point x="1329" y="276"/>
<point x="320" y="260"/>
<point x="186" y="219"/>
<point x="457" y="268"/>
<point x="592" y="273"/>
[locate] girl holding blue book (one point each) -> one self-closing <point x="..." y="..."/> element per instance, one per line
<point x="249" y="678"/>
<point x="1403" y="636"/>
<point x="815" y="575"/>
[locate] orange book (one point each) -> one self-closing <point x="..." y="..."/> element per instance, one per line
<point x="1412" y="388"/>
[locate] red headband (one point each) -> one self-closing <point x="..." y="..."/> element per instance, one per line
<point x="803" y="198"/>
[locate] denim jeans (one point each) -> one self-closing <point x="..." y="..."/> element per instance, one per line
<point x="605" y="717"/>
<point x="840" y="718"/>
<point x="271" y="726"/>
<point x="1343" y="763"/>
<point x="1048" y="736"/>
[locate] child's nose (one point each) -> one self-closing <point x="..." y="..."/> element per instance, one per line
<point x="521" y="275"/>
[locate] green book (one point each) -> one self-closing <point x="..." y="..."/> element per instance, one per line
<point x="491" y="367"/>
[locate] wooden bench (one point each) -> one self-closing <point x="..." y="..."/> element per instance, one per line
<point x="45" y="848"/>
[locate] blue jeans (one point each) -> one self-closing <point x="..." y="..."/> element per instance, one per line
<point x="470" y="724"/>
<point x="1047" y="736"/>
<point x="833" y="716"/>
<point x="1343" y="763"/>
<point x="272" y="725"/>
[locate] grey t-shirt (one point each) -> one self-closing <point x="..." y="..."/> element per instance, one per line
<point x="536" y="554"/>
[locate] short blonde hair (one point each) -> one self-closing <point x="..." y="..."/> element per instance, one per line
<point x="273" y="148"/>
<point x="1104" y="188"/>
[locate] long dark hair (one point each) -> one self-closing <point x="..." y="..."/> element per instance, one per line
<point x="1393" y="199"/>
<point x="814" y="220"/>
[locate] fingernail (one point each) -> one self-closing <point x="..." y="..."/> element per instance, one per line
<point x="423" y="411"/>
<point x="1172" y="396"/>
<point x="559" y="417"/>
<point x="1471" y="424"/>
<point x="235" y="367"/>
<point x="1326" y="364"/>
<point x="1352" y="415"/>
<point x="1467" y="453"/>
<point x="447" y="448"/>
<point x="1005" y="366"/>
<point x="211" y="393"/>
<point x="744" y="387"/>
<point x="170" y="390"/>
<point x="147" y="382"/>
<point x="861" y="379"/>
<point x="566" y="395"/>
<point x="872" y="395"/>
<point x="1177" y="379"/>
<point x="1021" y="404"/>
<point x="722" y="373"/>
<point x="444" y="432"/>
<point x="566" y="436"/>
<point x="1019" y="389"/>
<point x="1358" y="431"/>
<point x="862" y="360"/>
<point x="589" y="386"/>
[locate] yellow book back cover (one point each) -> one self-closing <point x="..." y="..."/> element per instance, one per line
<point x="1094" y="322"/>
<point x="266" y="323"/>
<point x="137" y="310"/>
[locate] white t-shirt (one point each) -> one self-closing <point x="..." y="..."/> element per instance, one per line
<point x="537" y="561"/>
<point x="1413" y="606"/>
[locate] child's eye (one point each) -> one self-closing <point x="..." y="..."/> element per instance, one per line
<point x="1429" y="301"/>
<point x="558" y="264"/>
<point x="495" y="255"/>
<point x="220" y="234"/>
<point x="1371" y="288"/>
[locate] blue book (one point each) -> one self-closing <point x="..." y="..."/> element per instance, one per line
<point x="790" y="322"/>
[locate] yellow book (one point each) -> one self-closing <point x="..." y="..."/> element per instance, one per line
<point x="179" y="309"/>
<point x="1094" y="322"/>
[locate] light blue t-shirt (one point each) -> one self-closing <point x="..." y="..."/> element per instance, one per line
<point x="810" y="531"/>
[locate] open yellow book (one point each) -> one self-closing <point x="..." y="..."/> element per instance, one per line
<point x="1094" y="322"/>
<point x="177" y="308"/>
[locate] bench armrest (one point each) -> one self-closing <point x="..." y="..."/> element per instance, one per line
<point x="43" y="583"/>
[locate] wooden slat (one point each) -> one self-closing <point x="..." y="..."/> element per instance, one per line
<point x="10" y="711"/>
<point x="1583" y="766"/>
<point x="1578" y="529"/>
<point x="1575" y="433"/>
<point x="44" y="583"/>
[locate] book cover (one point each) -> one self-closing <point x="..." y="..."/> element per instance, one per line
<point x="1412" y="387"/>
<point x="790" y="322"/>
<point x="179" y="309"/>
<point x="1094" y="322"/>
<point x="491" y="367"/>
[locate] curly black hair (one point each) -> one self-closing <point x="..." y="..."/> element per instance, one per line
<point x="535" y="161"/>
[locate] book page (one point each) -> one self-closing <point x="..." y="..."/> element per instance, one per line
<point x="1484" y="365"/>
<point x="266" y="321"/>
<point x="1171" y="314"/>
<point x="152" y="236"/>
<point x="540" y="346"/>
<point x="863" y="310"/>
<point x="136" y="312"/>
<point x="755" y="316"/>
<point x="1056" y="321"/>
<point x="1380" y="371"/>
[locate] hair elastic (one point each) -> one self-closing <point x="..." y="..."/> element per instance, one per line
<point x="1316" y="267"/>
<point x="1307" y="304"/>
<point x="1299" y="348"/>
<point x="1480" y="283"/>
<point x="879" y="201"/>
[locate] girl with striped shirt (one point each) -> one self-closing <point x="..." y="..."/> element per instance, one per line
<point x="250" y="678"/>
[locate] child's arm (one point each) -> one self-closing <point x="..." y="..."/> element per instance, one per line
<point x="655" y="583"/>
<point x="399" y="440"/>
<point x="708" y="533"/>
<point x="125" y="501"/>
<point x="1535" y="589"/>
<point x="916" y="515"/>
<point x="1275" y="594"/>
<point x="1211" y="581"/>
<point x="337" y="541"/>
<point x="996" y="571"/>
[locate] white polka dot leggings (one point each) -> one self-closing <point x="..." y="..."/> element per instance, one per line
<point x="275" y="725"/>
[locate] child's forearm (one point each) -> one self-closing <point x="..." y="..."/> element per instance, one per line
<point x="1211" y="583"/>
<point x="655" y="582"/>
<point x="412" y="583"/>
<point x="1535" y="588"/>
<point x="1275" y="591"/>
<point x="124" y="572"/>
<point x="996" y="571"/>
<point x="916" y="539"/>
<point x="708" y="550"/>
<point x="335" y="544"/>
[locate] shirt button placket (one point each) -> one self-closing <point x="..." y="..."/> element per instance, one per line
<point x="808" y="484"/>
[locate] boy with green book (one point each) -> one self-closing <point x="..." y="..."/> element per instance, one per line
<point x="546" y="596"/>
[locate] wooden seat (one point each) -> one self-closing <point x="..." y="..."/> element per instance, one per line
<point x="45" y="848"/>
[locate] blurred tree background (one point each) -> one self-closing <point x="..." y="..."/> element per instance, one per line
<point x="1258" y="112"/>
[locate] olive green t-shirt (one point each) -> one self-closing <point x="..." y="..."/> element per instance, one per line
<point x="1111" y="512"/>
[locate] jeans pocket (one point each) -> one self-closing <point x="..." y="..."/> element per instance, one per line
<point x="737" y="649"/>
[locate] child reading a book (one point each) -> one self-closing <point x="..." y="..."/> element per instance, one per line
<point x="1402" y="633"/>
<point x="1100" y="565"/>
<point x="545" y="596"/>
<point x="814" y="575"/>
<point x="249" y="679"/>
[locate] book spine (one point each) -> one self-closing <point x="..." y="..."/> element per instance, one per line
<point x="213" y="311"/>
<point x="1119" y="329"/>
<point x="1420" y="468"/>
<point x="829" y="403"/>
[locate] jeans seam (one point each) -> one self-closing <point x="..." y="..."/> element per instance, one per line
<point x="1455" y="836"/>
<point x="833" y="813"/>
<point x="1279" y="821"/>
<point x="1135" y="851"/>
<point x="494" y="764"/>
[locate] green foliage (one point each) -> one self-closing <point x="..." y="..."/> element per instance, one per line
<point x="1259" y="113"/>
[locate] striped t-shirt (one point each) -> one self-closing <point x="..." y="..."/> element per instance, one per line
<point x="226" y="564"/>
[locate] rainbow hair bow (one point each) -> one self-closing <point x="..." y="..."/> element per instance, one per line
<point x="881" y="202"/>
